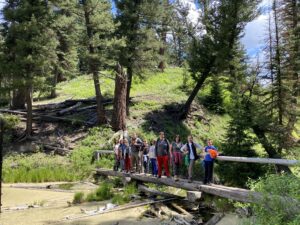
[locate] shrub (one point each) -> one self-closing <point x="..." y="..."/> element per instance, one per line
<point x="78" y="198"/>
<point x="104" y="192"/>
<point x="277" y="205"/>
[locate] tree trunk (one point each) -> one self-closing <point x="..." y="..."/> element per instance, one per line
<point x="18" y="98"/>
<point x="29" y="111"/>
<point x="129" y="82"/>
<point x="119" y="113"/>
<point x="162" y="65"/>
<point x="93" y="68"/>
<point x="278" y="66"/>
<point x="60" y="78"/>
<point x="186" y="108"/>
<point x="53" y="89"/>
<point x="100" y="107"/>
<point x="1" y="157"/>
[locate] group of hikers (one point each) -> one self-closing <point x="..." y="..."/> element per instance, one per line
<point x="136" y="155"/>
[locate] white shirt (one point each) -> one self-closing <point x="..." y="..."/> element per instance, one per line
<point x="152" y="152"/>
<point x="191" y="152"/>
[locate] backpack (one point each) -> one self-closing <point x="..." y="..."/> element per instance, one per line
<point x="213" y="153"/>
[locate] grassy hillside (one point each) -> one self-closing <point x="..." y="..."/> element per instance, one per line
<point x="149" y="113"/>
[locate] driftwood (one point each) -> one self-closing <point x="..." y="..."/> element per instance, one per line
<point x="215" y="219"/>
<point x="182" y="210"/>
<point x="120" y="208"/>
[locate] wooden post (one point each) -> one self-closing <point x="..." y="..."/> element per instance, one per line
<point x="1" y="157"/>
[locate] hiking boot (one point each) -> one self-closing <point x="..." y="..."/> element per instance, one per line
<point x="176" y="178"/>
<point x="190" y="180"/>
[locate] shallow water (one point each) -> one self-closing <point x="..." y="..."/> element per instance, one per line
<point x="54" y="209"/>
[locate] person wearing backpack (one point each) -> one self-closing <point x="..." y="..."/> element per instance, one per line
<point x="211" y="153"/>
<point x="162" y="151"/>
<point x="190" y="149"/>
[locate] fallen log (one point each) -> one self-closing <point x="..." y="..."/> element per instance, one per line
<point x="215" y="219"/>
<point x="120" y="208"/>
<point x="47" y="118"/>
<point x="182" y="210"/>
<point x="237" y="194"/>
<point x="145" y="189"/>
<point x="69" y="109"/>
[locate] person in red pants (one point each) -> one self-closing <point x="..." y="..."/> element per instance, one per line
<point x="162" y="150"/>
<point x="126" y="156"/>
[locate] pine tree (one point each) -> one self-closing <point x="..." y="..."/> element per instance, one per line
<point x="182" y="31"/>
<point x="136" y="25"/>
<point x="66" y="28"/>
<point x="29" y="47"/>
<point x="98" y="42"/>
<point x="211" y="52"/>
<point x="214" y="101"/>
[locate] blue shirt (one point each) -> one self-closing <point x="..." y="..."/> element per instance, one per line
<point x="207" y="156"/>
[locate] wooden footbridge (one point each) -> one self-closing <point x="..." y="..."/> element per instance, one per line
<point x="237" y="194"/>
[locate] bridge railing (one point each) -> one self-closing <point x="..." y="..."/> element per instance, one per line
<point x="286" y="162"/>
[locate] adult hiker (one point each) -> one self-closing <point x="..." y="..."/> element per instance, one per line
<point x="126" y="156"/>
<point x="211" y="152"/>
<point x="135" y="159"/>
<point x="152" y="157"/>
<point x="117" y="155"/>
<point x="162" y="151"/>
<point x="190" y="149"/>
<point x="176" y="155"/>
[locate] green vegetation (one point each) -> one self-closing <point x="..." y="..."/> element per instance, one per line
<point x="78" y="198"/>
<point x="38" y="167"/>
<point x="104" y="192"/>
<point x="282" y="206"/>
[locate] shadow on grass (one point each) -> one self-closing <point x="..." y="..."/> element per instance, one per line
<point x="167" y="120"/>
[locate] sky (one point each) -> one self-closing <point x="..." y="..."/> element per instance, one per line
<point x="254" y="30"/>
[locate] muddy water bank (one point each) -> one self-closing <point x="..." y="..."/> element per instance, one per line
<point x="53" y="208"/>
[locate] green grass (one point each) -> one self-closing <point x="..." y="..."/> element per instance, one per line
<point x="38" y="167"/>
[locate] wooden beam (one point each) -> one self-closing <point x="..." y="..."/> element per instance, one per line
<point x="285" y="162"/>
<point x="145" y="189"/>
<point x="237" y="194"/>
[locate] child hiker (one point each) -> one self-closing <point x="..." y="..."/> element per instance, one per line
<point x="211" y="153"/>
<point x="152" y="157"/>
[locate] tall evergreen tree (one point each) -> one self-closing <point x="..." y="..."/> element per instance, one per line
<point x="223" y="23"/>
<point x="98" y="42"/>
<point x="29" y="46"/>
<point x="137" y="19"/>
<point x="66" y="28"/>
